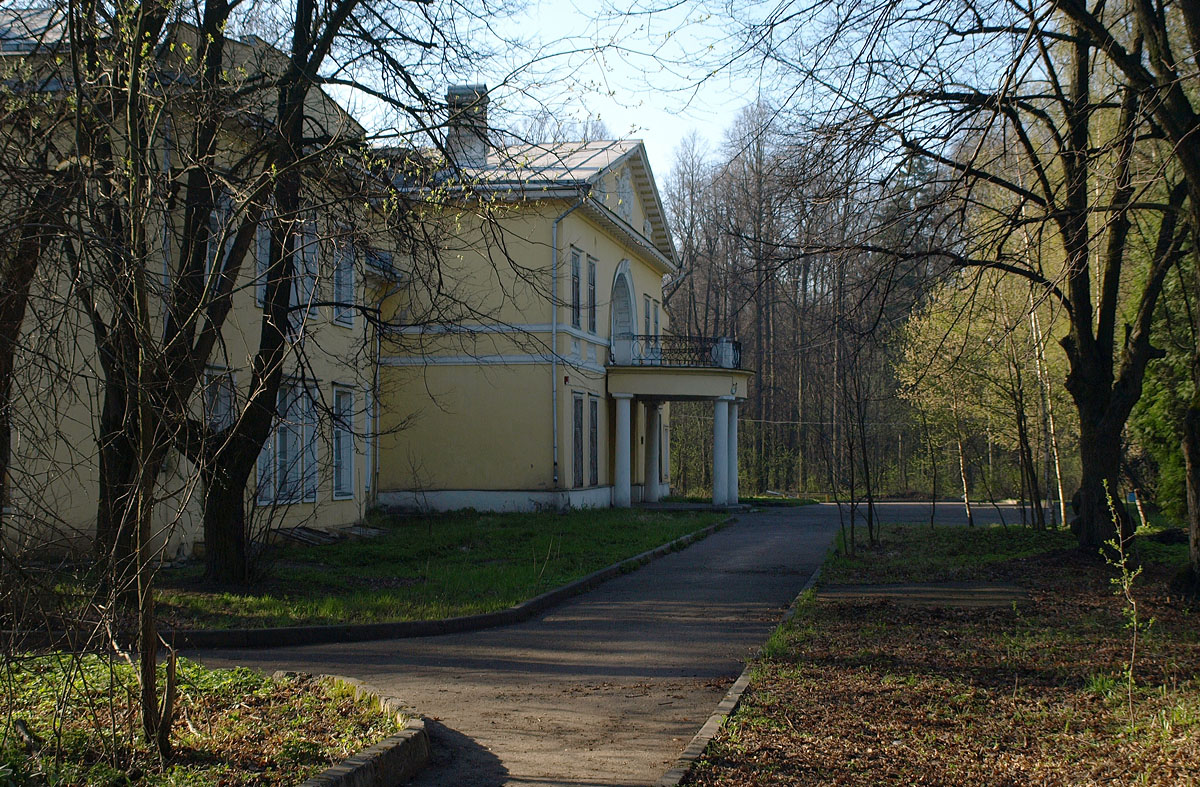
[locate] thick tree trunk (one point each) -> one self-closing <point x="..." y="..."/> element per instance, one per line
<point x="1191" y="457"/>
<point x="1100" y="463"/>
<point x="226" y="539"/>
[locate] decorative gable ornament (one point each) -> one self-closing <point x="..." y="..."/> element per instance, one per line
<point x="625" y="195"/>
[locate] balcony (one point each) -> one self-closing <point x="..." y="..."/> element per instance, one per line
<point x="680" y="352"/>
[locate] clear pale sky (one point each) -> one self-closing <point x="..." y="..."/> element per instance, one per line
<point x="646" y="77"/>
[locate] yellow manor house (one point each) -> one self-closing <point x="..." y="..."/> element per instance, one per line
<point x="545" y="385"/>
<point x="560" y="397"/>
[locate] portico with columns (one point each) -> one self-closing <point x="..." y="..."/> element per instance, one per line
<point x="646" y="389"/>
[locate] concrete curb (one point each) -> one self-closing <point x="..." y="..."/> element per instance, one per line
<point x="389" y="763"/>
<point x="727" y="707"/>
<point x="362" y="632"/>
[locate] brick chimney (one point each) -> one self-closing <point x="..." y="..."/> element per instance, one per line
<point x="467" y="128"/>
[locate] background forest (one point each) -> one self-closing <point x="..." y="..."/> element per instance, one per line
<point x="885" y="367"/>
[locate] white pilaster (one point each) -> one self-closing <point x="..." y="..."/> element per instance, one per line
<point x="621" y="483"/>
<point x="720" y="474"/>
<point x="732" y="497"/>
<point x="652" y="449"/>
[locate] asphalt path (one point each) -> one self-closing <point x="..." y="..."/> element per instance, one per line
<point x="608" y="688"/>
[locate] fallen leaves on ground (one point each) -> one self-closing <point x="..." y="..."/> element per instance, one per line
<point x="871" y="693"/>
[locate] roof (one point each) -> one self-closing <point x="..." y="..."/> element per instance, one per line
<point x="23" y="29"/>
<point x="549" y="169"/>
<point x="559" y="162"/>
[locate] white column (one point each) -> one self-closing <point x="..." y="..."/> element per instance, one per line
<point x="652" y="448"/>
<point x="732" y="497"/>
<point x="720" y="475"/>
<point x="665" y="450"/>
<point x="621" y="495"/>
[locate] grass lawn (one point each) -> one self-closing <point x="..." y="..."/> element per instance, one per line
<point x="866" y="693"/>
<point x="233" y="727"/>
<point x="425" y="568"/>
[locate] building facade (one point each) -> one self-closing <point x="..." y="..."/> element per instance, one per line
<point x="522" y="361"/>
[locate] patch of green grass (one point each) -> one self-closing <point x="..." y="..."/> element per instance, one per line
<point x="917" y="553"/>
<point x="426" y="568"/>
<point x="1149" y="546"/>
<point x="232" y="727"/>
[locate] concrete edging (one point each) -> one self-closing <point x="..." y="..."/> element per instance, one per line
<point x="389" y="763"/>
<point x="362" y="632"/>
<point x="727" y="707"/>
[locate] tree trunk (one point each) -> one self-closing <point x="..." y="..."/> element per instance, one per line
<point x="962" y="472"/>
<point x="226" y="540"/>
<point x="1100" y="461"/>
<point x="1191" y="457"/>
<point x="118" y="459"/>
<point x="1029" y="470"/>
<point x="962" y="469"/>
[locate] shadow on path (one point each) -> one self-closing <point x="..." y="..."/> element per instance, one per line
<point x="458" y="759"/>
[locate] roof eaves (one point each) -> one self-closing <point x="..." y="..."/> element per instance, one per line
<point x="636" y="239"/>
<point x="644" y="167"/>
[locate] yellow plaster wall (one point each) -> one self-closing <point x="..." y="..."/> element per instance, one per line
<point x="466" y="427"/>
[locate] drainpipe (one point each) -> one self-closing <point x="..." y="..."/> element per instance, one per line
<point x="554" y="328"/>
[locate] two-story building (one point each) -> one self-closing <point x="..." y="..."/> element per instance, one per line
<point x="545" y="384"/>
<point x="555" y="394"/>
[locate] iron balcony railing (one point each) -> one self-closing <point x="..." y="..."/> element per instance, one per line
<point x="678" y="351"/>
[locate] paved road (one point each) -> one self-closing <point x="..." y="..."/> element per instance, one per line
<point x="608" y="688"/>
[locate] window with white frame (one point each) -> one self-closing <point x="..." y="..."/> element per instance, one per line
<point x="577" y="454"/>
<point x="343" y="443"/>
<point x="220" y="235"/>
<point x="262" y="256"/>
<point x="287" y="466"/>
<point x="657" y="331"/>
<point x="368" y="440"/>
<point x="594" y="440"/>
<point x="219" y="397"/>
<point x="591" y="289"/>
<point x="646" y="313"/>
<point x="304" y="276"/>
<point x="343" y="283"/>
<point x="576" y="261"/>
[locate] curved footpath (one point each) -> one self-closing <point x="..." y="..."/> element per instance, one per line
<point x="608" y="688"/>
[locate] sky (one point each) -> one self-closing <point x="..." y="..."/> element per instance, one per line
<point x="647" y="75"/>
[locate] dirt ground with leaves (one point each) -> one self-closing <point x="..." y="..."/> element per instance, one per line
<point x="886" y="692"/>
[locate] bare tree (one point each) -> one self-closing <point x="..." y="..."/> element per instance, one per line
<point x="1022" y="117"/>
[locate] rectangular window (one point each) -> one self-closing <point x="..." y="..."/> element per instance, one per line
<point x="657" y="332"/>
<point x="575" y="311"/>
<point x="304" y="277"/>
<point x="591" y="288"/>
<point x="287" y="466"/>
<point x="594" y="440"/>
<point x="369" y="440"/>
<point x="220" y="235"/>
<point x="646" y="315"/>
<point x="577" y="412"/>
<point x="262" y="258"/>
<point x="343" y="444"/>
<point x="343" y="283"/>
<point x="218" y="398"/>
